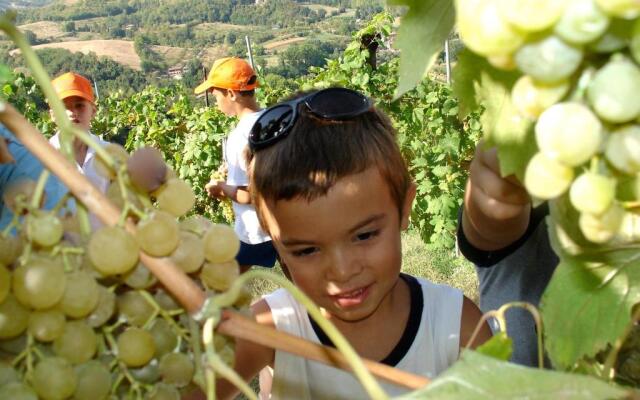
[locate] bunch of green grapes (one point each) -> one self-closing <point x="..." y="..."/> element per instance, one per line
<point x="82" y="318"/>
<point x="225" y="204"/>
<point x="580" y="83"/>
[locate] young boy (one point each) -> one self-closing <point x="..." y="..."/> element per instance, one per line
<point x="332" y="190"/>
<point x="76" y="93"/>
<point x="232" y="82"/>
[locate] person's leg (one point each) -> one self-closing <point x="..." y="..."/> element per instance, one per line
<point x="261" y="254"/>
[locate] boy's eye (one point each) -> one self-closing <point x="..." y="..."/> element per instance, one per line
<point x="367" y="235"/>
<point x="304" y="252"/>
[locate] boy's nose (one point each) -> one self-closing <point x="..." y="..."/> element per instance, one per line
<point x="344" y="266"/>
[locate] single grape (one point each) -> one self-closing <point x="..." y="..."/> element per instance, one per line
<point x="149" y="373"/>
<point x="14" y="345"/>
<point x="165" y="300"/>
<point x="147" y="169"/>
<point x="115" y="195"/>
<point x="189" y="255"/>
<point x="613" y="91"/>
<point x="119" y="155"/>
<point x="483" y="29"/>
<point x="162" y="391"/>
<point x="175" y="197"/>
<point x="94" y="381"/>
<point x="17" y="391"/>
<point x="135" y="347"/>
<point x="219" y="276"/>
<point x="176" y="369"/>
<point x="623" y="149"/>
<point x="220" y="244"/>
<point x="629" y="228"/>
<point x="104" y="309"/>
<point x="81" y="295"/>
<point x="164" y="338"/>
<point x="592" y="193"/>
<point x="581" y="22"/>
<point x="47" y="325"/>
<point x="546" y="178"/>
<point x="133" y="306"/>
<point x="44" y="228"/>
<point x="601" y="228"/>
<point x="139" y="278"/>
<point x="531" y="15"/>
<point x="615" y="38"/>
<point x="5" y="282"/>
<point x="54" y="379"/>
<point x="113" y="251"/>
<point x="627" y="9"/>
<point x="10" y="249"/>
<point x="548" y="59"/>
<point x="40" y="282"/>
<point x="569" y="133"/>
<point x="78" y="342"/>
<point x="531" y="98"/>
<point x="196" y="224"/>
<point x="158" y="235"/>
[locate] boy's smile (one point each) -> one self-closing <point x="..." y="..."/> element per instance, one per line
<point x="343" y="249"/>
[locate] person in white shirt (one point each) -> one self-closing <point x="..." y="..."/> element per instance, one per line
<point x="77" y="95"/>
<point x="232" y="82"/>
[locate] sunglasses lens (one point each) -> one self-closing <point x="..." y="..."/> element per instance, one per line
<point x="271" y="124"/>
<point x="338" y="103"/>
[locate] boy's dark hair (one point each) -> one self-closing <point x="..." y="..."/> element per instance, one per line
<point x="317" y="153"/>
<point x="243" y="93"/>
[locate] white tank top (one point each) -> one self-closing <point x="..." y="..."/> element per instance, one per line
<point x="428" y="346"/>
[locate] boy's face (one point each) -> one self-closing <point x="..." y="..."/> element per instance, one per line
<point x="80" y="111"/>
<point x="223" y="101"/>
<point x="343" y="249"/>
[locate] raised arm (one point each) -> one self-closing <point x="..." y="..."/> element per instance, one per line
<point x="496" y="210"/>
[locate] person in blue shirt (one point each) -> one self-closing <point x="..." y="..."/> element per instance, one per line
<point x="19" y="164"/>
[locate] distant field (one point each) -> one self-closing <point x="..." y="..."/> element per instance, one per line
<point x="281" y="43"/>
<point x="316" y="7"/>
<point x="121" y="51"/>
<point x="44" y="29"/>
<point x="220" y="26"/>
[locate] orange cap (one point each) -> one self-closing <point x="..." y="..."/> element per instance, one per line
<point x="72" y="84"/>
<point x="230" y="73"/>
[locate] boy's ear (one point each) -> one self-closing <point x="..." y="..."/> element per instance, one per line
<point x="233" y="95"/>
<point x="407" y="206"/>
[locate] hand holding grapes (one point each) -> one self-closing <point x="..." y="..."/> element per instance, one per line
<point x="214" y="189"/>
<point x="496" y="208"/>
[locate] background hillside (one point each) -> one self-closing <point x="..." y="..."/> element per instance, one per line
<point x="140" y="42"/>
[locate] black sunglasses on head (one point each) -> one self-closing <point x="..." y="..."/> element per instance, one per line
<point x="337" y="104"/>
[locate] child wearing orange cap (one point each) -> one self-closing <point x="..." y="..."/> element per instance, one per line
<point x="76" y="93"/>
<point x="232" y="82"/>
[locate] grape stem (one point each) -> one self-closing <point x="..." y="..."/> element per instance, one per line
<point x="215" y="362"/>
<point x="227" y="299"/>
<point x="39" y="190"/>
<point x="502" y="322"/>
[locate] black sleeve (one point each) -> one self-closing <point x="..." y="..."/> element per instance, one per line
<point x="485" y="259"/>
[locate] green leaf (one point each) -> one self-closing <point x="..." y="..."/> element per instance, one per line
<point x="478" y="83"/>
<point x="423" y="30"/>
<point x="500" y="346"/>
<point x="478" y="377"/>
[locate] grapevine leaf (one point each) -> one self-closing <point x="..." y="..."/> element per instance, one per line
<point x="477" y="83"/>
<point x="598" y="292"/>
<point x="423" y="30"/>
<point x="596" y="285"/>
<point x="500" y="346"/>
<point x="476" y="376"/>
